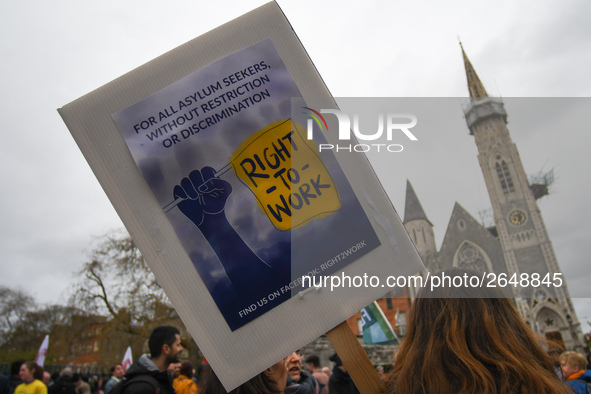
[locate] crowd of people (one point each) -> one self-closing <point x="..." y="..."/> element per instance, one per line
<point x="27" y="377"/>
<point x="459" y="340"/>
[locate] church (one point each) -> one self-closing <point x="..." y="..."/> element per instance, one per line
<point x="518" y="244"/>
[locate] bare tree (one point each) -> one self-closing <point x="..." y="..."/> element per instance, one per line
<point x="24" y="324"/>
<point x="116" y="277"/>
<point x="115" y="288"/>
<point x="117" y="283"/>
<point x="14" y="306"/>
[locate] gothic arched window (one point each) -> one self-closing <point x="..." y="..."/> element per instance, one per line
<point x="504" y="175"/>
<point x="471" y="256"/>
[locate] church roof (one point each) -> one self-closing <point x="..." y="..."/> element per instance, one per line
<point x="412" y="207"/>
<point x="462" y="225"/>
<point x="475" y="87"/>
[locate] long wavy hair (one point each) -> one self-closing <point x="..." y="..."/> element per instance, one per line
<point x="470" y="340"/>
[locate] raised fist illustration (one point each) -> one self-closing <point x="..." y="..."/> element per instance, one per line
<point x="204" y="194"/>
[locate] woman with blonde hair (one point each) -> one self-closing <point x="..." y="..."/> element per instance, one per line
<point x="464" y="339"/>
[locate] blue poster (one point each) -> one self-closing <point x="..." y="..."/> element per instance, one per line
<point x="253" y="202"/>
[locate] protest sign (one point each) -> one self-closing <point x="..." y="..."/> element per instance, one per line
<point x="219" y="143"/>
<point x="230" y="203"/>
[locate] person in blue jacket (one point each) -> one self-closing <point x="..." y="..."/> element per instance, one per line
<point x="575" y="372"/>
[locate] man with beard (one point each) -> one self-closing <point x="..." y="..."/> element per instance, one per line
<point x="298" y="381"/>
<point x="149" y="375"/>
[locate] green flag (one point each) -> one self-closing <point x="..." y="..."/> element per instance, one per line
<point x="376" y="328"/>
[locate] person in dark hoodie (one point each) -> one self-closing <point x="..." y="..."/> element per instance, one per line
<point x="14" y="380"/>
<point x="340" y="381"/>
<point x="149" y="374"/>
<point x="298" y="380"/>
<point x="63" y="384"/>
<point x="4" y="385"/>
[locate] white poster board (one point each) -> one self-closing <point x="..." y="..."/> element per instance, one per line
<point x="195" y="122"/>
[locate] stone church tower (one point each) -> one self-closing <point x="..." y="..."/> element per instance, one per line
<point x="518" y="244"/>
<point x="524" y="242"/>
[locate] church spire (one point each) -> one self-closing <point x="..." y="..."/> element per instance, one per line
<point x="412" y="207"/>
<point x="481" y="106"/>
<point x="475" y="87"/>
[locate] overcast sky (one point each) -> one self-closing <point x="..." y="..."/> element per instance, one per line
<point x="53" y="52"/>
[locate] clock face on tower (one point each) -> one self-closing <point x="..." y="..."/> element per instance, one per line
<point x="517" y="217"/>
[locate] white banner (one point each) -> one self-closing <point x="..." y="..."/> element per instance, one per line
<point x="127" y="359"/>
<point x="40" y="357"/>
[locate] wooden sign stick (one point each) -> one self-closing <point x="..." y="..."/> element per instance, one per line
<point x="355" y="360"/>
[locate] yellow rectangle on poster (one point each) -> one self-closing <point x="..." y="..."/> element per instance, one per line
<point x="284" y="171"/>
